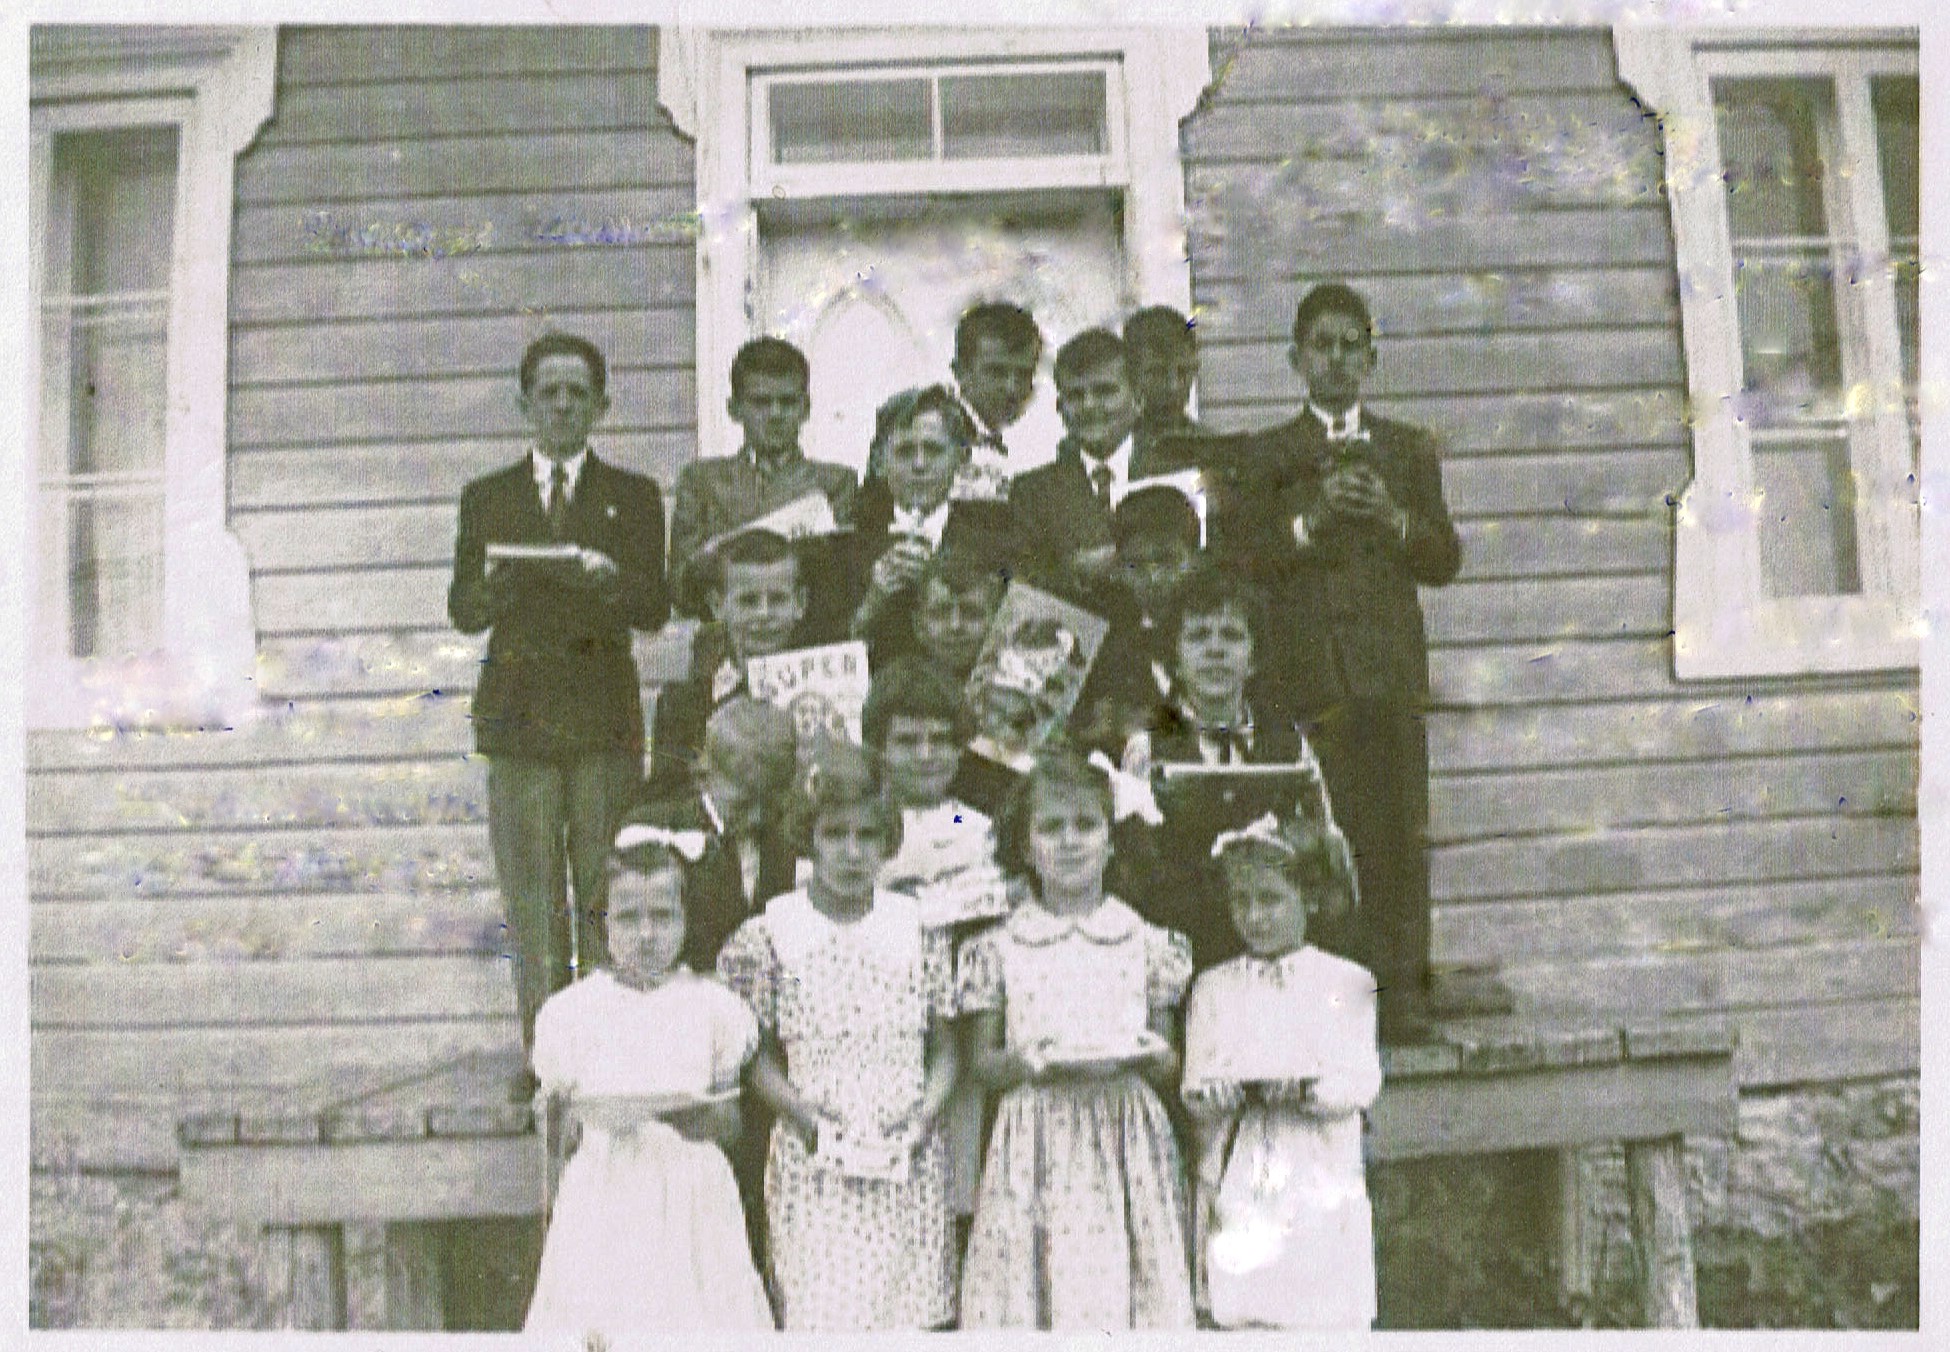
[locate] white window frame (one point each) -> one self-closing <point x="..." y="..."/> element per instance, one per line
<point x="1725" y="622"/>
<point x="216" y="85"/>
<point x="705" y="81"/>
<point x="939" y="174"/>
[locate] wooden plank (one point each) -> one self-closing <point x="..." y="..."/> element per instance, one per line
<point x="396" y="471"/>
<point x="1563" y="1106"/>
<point x="339" y="601"/>
<point x="1662" y="1232"/>
<point x="1563" y="547"/>
<point x="1498" y="423"/>
<point x="203" y="929"/>
<point x="1282" y="63"/>
<point x="1875" y="783"/>
<point x="1648" y="856"/>
<point x="270" y="991"/>
<point x="1407" y="305"/>
<point x="392" y="349"/>
<point x="1581" y="928"/>
<point x="368" y="729"/>
<point x="384" y="1181"/>
<point x="1689" y="981"/>
<point x="317" y="1265"/>
<point x="353" y="55"/>
<point x="1608" y="357"/>
<point x="467" y="224"/>
<point x="209" y="1061"/>
<point x="1245" y="223"/>
<point x="400" y="793"/>
<point x="383" y="410"/>
<point x="1440" y="153"/>
<point x="315" y="538"/>
<point x="413" y="1277"/>
<point x="374" y="858"/>
<point x="501" y="281"/>
<point x="1520" y="673"/>
<point x="406" y="661"/>
<point x="1686" y="724"/>
<point x="463" y="105"/>
<point x="396" y="169"/>
<point x="1800" y="1044"/>
<point x="1470" y="611"/>
<point x="1627" y="482"/>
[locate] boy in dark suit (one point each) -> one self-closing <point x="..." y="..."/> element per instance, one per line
<point x="1060" y="512"/>
<point x="558" y="712"/>
<point x="1364" y="524"/>
<point x="997" y="347"/>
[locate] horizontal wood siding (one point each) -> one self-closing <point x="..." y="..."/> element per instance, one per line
<point x="306" y="902"/>
<point x="307" y="899"/>
<point x="1601" y="833"/>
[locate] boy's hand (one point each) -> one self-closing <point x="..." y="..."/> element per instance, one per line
<point x="598" y="568"/>
<point x="900" y="566"/>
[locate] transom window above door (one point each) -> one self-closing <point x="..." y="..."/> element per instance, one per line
<point x="947" y="127"/>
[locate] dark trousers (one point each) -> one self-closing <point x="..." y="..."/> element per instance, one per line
<point x="1375" y="756"/>
<point x="548" y="820"/>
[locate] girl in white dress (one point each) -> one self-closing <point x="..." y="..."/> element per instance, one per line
<point x="855" y="999"/>
<point x="638" y="1065"/>
<point x="1280" y="1062"/>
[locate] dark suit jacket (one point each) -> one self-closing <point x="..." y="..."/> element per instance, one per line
<point x="1188" y="892"/>
<point x="979" y="528"/>
<point x="559" y="679"/>
<point x="715" y="902"/>
<point x="1349" y="596"/>
<point x="1053" y="513"/>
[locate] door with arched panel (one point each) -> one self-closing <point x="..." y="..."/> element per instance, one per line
<point x="871" y="289"/>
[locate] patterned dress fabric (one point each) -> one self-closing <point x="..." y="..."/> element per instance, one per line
<point x="647" y="1232"/>
<point x="851" y="1005"/>
<point x="1292" y="1243"/>
<point x="1080" y="1221"/>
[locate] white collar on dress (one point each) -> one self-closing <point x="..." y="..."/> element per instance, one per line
<point x="1111" y="922"/>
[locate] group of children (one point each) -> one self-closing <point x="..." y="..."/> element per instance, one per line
<point x="923" y="1034"/>
<point x="858" y="1025"/>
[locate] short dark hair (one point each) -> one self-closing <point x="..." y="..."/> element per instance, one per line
<point x="910" y="688"/>
<point x="1086" y="352"/>
<point x="565" y="345"/>
<point x="1059" y="767"/>
<point x="1207" y="590"/>
<point x="647" y="858"/>
<point x="961" y="569"/>
<point x="1157" y="512"/>
<point x="1331" y="298"/>
<point x="900" y="411"/>
<point x="1011" y="325"/>
<point x="839" y="777"/>
<point x="1159" y="326"/>
<point x="748" y="547"/>
<point x="769" y="357"/>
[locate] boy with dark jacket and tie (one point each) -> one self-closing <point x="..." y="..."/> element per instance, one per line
<point x="1361" y="524"/>
<point x="558" y="712"/>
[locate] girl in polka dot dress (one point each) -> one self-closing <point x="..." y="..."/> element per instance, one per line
<point x="855" y="1002"/>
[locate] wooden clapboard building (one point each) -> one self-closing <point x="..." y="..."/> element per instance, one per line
<point x="284" y="276"/>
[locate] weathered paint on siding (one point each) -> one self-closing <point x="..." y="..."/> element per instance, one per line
<point x="309" y="900"/>
<point x="1603" y="833"/>
<point x="217" y="916"/>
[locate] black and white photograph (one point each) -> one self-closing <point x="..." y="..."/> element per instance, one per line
<point x="1099" y="671"/>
